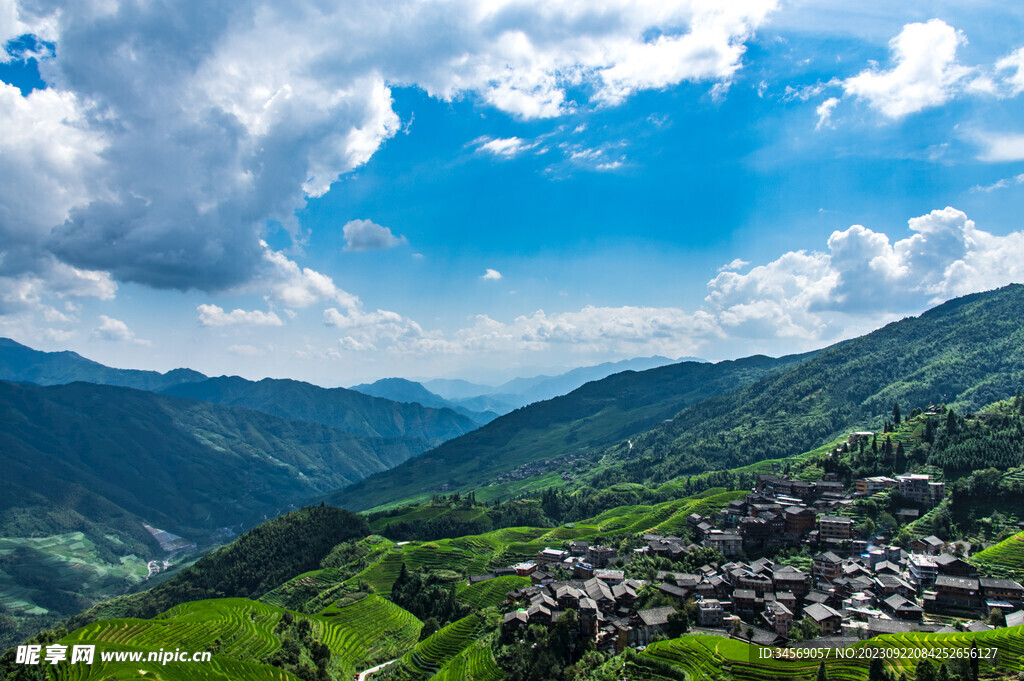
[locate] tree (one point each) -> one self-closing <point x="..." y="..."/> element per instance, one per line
<point x="876" y="671"/>
<point x="996" y="618"/>
<point x="429" y="627"/>
<point x="822" y="673"/>
<point x="678" y="623"/>
<point x="925" y="670"/>
<point x="896" y="413"/>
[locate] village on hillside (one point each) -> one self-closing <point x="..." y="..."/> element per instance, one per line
<point x="855" y="588"/>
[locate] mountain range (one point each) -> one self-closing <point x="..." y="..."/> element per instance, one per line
<point x="659" y="425"/>
<point x="519" y="392"/>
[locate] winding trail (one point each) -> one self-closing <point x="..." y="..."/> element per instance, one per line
<point x="362" y="676"/>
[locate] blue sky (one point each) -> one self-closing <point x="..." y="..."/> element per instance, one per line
<point x="490" y="190"/>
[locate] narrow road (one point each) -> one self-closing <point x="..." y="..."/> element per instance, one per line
<point x="361" y="676"/>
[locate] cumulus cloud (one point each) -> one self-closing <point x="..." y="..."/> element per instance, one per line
<point x="214" y="315"/>
<point x="115" y="330"/>
<point x="364" y="235"/>
<point x="162" y="160"/>
<point x="925" y="71"/>
<point x="864" y="275"/>
<point x="296" y="286"/>
<point x="491" y="275"/>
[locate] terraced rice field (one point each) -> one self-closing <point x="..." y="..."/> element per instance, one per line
<point x="219" y="668"/>
<point x="709" y="657"/>
<point x="244" y="628"/>
<point x="704" y="506"/>
<point x="371" y="629"/>
<point x="1008" y="553"/>
<point x="474" y="663"/>
<point x="368" y="630"/>
<point x="441" y="648"/>
<point x="492" y="592"/>
<point x="305" y="588"/>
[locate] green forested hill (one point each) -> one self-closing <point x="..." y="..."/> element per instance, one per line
<point x="115" y="456"/>
<point x="24" y="365"/>
<point x="591" y="417"/>
<point x="967" y="353"/>
<point x="340" y="408"/>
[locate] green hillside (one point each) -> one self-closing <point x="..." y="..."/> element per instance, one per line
<point x="194" y="467"/>
<point x="968" y="352"/>
<point x="339" y="408"/>
<point x="588" y="419"/>
<point x="22" y="364"/>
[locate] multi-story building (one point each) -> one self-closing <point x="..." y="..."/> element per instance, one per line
<point x="550" y="556"/>
<point x="710" y="612"/>
<point x="600" y="556"/>
<point x="873" y="485"/>
<point x="835" y="527"/>
<point x="961" y="593"/>
<point x="1002" y="590"/>
<point x="799" y="519"/>
<point x="827" y="566"/>
<point x="920" y="488"/>
<point x="922" y="570"/>
<point x="779" y="616"/>
<point x="728" y="543"/>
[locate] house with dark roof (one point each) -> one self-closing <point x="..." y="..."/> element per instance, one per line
<point x="647" y="624"/>
<point x="1003" y="590"/>
<point x="827" y="566"/>
<point x="830" y="620"/>
<point x="963" y="593"/>
<point x="948" y="564"/>
<point x="902" y="608"/>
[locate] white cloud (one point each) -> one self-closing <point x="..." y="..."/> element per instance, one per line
<point x="296" y="286"/>
<point x="824" y="112"/>
<point x="246" y="350"/>
<point x="162" y="162"/>
<point x="863" y="277"/>
<point x="115" y="330"/>
<point x="1001" y="147"/>
<point x="491" y="275"/>
<point x="214" y="315"/>
<point x="734" y="264"/>
<point x="364" y="235"/>
<point x="999" y="184"/>
<point x="505" y="148"/>
<point x="925" y="71"/>
<point x="1013" y="65"/>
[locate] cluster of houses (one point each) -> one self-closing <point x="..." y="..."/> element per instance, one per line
<point x="884" y="590"/>
<point x="854" y="589"/>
